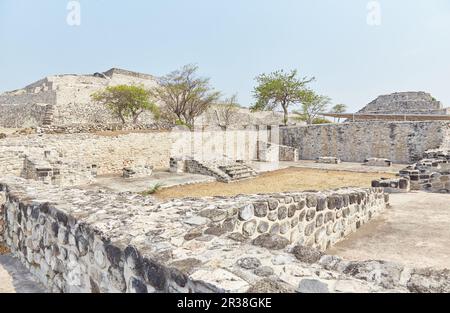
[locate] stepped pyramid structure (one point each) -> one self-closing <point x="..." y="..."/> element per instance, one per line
<point x="405" y="103"/>
<point x="63" y="100"/>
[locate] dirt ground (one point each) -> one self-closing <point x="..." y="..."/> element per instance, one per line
<point x="290" y="179"/>
<point x="414" y="230"/>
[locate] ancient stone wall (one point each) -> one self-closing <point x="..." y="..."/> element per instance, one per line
<point x="73" y="156"/>
<point x="68" y="255"/>
<point x="316" y="220"/>
<point x="401" y="142"/>
<point x="24" y="110"/>
<point x="89" y="241"/>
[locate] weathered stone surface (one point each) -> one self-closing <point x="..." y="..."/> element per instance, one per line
<point x="311" y="201"/>
<point x="407" y="139"/>
<point x="309" y="229"/>
<point x="269" y="241"/>
<point x="267" y="285"/>
<point x="186" y="265"/>
<point x="310" y="214"/>
<point x="249" y="263"/>
<point x="282" y="213"/>
<point x="263" y="227"/>
<point x="261" y="209"/>
<point x="429" y="281"/>
<point x="214" y="215"/>
<point x="273" y="204"/>
<point x="249" y="228"/>
<point x="307" y="254"/>
<point x="264" y="271"/>
<point x="312" y="286"/>
<point x="246" y="212"/>
<point x="137" y="286"/>
<point x="155" y="274"/>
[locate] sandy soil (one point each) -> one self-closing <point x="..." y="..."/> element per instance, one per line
<point x="290" y="179"/>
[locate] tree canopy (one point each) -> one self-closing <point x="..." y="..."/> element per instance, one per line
<point x="185" y="95"/>
<point x="312" y="105"/>
<point x="126" y="101"/>
<point x="280" y="88"/>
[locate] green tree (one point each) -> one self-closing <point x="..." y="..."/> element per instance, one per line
<point x="279" y="88"/>
<point x="184" y="95"/>
<point x="338" y="108"/>
<point x="126" y="101"/>
<point x="312" y="105"/>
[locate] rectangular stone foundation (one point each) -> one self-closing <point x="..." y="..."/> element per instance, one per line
<point x="108" y="242"/>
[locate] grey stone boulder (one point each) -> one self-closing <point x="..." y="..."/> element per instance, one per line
<point x="312" y="286"/>
<point x="264" y="271"/>
<point x="249" y="263"/>
<point x="275" y="242"/>
<point x="306" y="254"/>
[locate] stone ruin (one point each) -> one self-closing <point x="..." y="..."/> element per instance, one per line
<point x="63" y="104"/>
<point x="378" y="162"/>
<point x="406" y="103"/>
<point x="76" y="238"/>
<point x="328" y="160"/>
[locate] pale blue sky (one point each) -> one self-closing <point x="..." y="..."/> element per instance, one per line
<point x="232" y="41"/>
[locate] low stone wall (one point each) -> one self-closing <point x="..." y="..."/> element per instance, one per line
<point x="316" y="220"/>
<point x="68" y="255"/>
<point x="110" y="152"/>
<point x="75" y="240"/>
<point x="401" y="142"/>
<point x="393" y="185"/>
<point x="288" y="154"/>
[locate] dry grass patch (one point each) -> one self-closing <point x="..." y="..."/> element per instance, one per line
<point x="285" y="180"/>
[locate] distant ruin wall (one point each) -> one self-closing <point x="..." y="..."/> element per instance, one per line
<point x="401" y="142"/>
<point x="24" y="110"/>
<point x="110" y="152"/>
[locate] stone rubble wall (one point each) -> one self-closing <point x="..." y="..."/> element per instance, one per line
<point x="400" y="142"/>
<point x="316" y="220"/>
<point x="26" y="107"/>
<point x="67" y="255"/>
<point x="395" y="185"/>
<point x="288" y="154"/>
<point x="75" y="240"/>
<point x="97" y="241"/>
<point x="75" y="155"/>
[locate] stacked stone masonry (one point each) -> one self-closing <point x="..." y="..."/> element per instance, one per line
<point x="430" y="174"/>
<point x="400" y="142"/>
<point x="75" y="240"/>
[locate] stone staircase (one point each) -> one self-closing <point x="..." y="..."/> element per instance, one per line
<point x="48" y="115"/>
<point x="238" y="171"/>
<point x="223" y="171"/>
